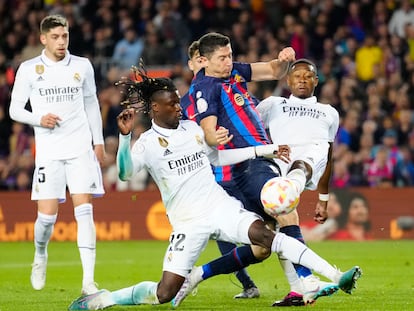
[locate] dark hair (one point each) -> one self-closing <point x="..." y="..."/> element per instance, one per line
<point x="312" y="66"/>
<point x="211" y="42"/>
<point x="193" y="49"/>
<point x="139" y="92"/>
<point x="52" y="21"/>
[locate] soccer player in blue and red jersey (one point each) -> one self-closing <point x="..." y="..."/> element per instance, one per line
<point x="219" y="97"/>
<point x="222" y="173"/>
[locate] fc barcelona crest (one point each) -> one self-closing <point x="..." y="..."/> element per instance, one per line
<point x="40" y="69"/>
<point x="163" y="142"/>
<point x="238" y="99"/>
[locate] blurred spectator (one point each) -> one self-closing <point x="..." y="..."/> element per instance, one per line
<point x="5" y="132"/>
<point x="33" y="46"/>
<point x="154" y="53"/>
<point x="173" y="31"/>
<point x="404" y="169"/>
<point x="368" y="60"/>
<point x="354" y="224"/>
<point x="400" y="18"/>
<point x="347" y="137"/>
<point x="128" y="50"/>
<point x="381" y="170"/>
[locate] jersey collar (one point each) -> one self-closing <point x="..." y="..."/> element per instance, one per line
<point x="48" y="62"/>
<point x="309" y="100"/>
<point x="163" y="131"/>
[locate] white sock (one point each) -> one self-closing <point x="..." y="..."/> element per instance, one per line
<point x="291" y="275"/>
<point x="298" y="177"/>
<point x="43" y="229"/>
<point x="142" y="293"/>
<point x="86" y="241"/>
<point x="299" y="253"/>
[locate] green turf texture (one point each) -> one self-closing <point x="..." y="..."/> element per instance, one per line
<point x="387" y="282"/>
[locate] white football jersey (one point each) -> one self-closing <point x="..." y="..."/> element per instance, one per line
<point x="306" y="126"/>
<point x="177" y="159"/>
<point x="58" y="88"/>
<point x="295" y="121"/>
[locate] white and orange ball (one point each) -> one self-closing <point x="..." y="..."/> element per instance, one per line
<point x="279" y="196"/>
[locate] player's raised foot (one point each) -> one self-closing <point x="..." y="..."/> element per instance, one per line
<point x="348" y="279"/>
<point x="89" y="288"/>
<point x="189" y="286"/>
<point x="97" y="301"/>
<point x="252" y="292"/>
<point x="315" y="288"/>
<point x="292" y="299"/>
<point x="38" y="275"/>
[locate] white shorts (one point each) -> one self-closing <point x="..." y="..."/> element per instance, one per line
<point x="81" y="175"/>
<point x="230" y="223"/>
<point x="316" y="155"/>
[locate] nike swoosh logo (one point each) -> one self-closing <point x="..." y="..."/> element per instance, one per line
<point x="193" y="116"/>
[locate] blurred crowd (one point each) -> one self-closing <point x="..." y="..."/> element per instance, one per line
<point x="364" y="51"/>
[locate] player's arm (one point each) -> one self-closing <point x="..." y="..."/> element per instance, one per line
<point x="321" y="213"/>
<point x="19" y="97"/>
<point x="93" y="113"/>
<point x="124" y="160"/>
<point x="233" y="156"/>
<point x="209" y="125"/>
<point x="274" y="69"/>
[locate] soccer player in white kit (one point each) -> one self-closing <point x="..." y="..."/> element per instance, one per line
<point x="309" y="128"/>
<point x="178" y="158"/>
<point x="67" y="123"/>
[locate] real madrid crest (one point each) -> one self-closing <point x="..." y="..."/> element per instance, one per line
<point x="77" y="77"/>
<point x="40" y="69"/>
<point x="238" y="99"/>
<point x="199" y="140"/>
<point x="163" y="142"/>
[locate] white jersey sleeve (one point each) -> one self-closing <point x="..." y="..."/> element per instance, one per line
<point x="92" y="107"/>
<point x="20" y="95"/>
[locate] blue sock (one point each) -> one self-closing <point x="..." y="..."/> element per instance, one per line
<point x="242" y="275"/>
<point x="238" y="258"/>
<point x="294" y="232"/>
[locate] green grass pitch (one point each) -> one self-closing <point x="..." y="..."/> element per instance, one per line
<point x="387" y="282"/>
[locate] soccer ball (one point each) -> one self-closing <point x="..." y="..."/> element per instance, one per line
<point x="279" y="196"/>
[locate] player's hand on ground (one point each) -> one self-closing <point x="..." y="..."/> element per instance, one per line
<point x="222" y="136"/>
<point x="126" y="120"/>
<point x="284" y="153"/>
<point x="287" y="55"/>
<point x="321" y="212"/>
<point x="50" y="121"/>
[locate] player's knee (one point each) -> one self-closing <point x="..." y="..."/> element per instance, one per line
<point x="165" y="294"/>
<point x="260" y="253"/>
<point x="288" y="219"/>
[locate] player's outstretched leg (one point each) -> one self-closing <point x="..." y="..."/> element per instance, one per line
<point x="250" y="289"/>
<point x="189" y="285"/>
<point x="97" y="301"/>
<point x="348" y="279"/>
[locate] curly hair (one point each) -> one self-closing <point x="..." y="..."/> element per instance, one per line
<point x="140" y="90"/>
